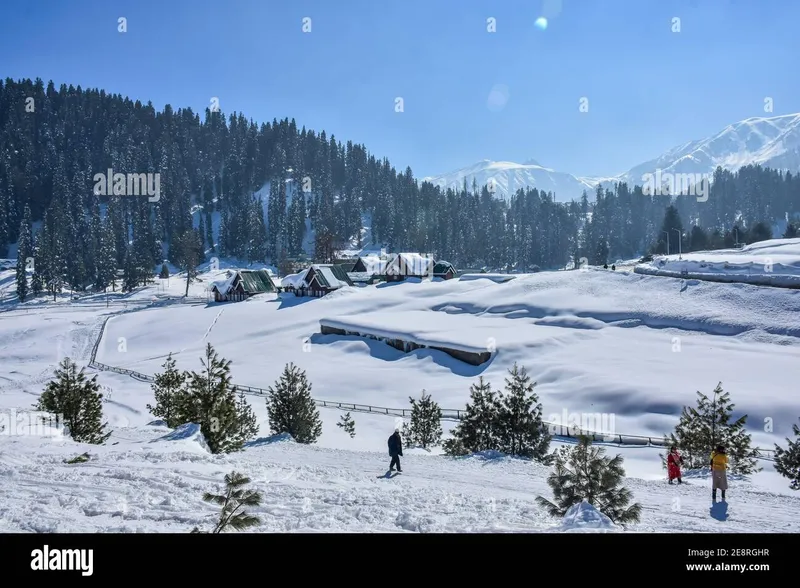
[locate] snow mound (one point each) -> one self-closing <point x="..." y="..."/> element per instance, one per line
<point x="585" y="518"/>
<point x="280" y="438"/>
<point x="187" y="432"/>
<point x="775" y="262"/>
<point x="499" y="278"/>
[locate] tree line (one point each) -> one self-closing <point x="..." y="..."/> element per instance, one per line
<point x="507" y="422"/>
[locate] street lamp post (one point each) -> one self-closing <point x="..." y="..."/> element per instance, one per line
<point x="680" y="238"/>
<point x="667" y="234"/>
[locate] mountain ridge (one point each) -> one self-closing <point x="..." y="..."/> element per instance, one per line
<point x="767" y="141"/>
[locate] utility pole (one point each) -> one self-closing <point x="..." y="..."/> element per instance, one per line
<point x="667" y="234"/>
<point x="680" y="238"/>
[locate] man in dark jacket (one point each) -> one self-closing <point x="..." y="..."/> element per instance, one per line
<point x="395" y="450"/>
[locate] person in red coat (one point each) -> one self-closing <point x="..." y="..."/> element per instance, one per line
<point x="674" y="462"/>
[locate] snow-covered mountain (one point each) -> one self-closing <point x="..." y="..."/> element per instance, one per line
<point x="771" y="142"/>
<point x="505" y="178"/>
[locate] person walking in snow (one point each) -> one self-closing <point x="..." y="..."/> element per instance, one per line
<point x="674" y="463"/>
<point x="395" y="451"/>
<point x="719" y="476"/>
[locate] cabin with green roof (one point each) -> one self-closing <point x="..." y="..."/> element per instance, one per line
<point x="242" y="284"/>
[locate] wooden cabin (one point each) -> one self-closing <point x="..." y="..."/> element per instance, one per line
<point x="408" y="265"/>
<point x="444" y="270"/>
<point x="242" y="284"/>
<point x="321" y="279"/>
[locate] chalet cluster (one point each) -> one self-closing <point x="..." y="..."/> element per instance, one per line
<point x="320" y="279"/>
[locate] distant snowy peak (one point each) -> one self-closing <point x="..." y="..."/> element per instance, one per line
<point x="770" y="142"/>
<point x="504" y="178"/>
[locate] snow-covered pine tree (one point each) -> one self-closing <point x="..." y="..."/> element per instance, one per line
<point x="106" y="261"/>
<point x="477" y="429"/>
<point x="211" y="402"/>
<point x="246" y="418"/>
<point x="236" y="497"/>
<point x="24" y="251"/>
<point x="425" y="426"/>
<point x="347" y="423"/>
<point x="185" y="253"/>
<point x="130" y="280"/>
<point x="584" y="472"/>
<point x="702" y="428"/>
<point x="787" y="461"/>
<point x="521" y="429"/>
<point x="168" y="390"/>
<point x="291" y="408"/>
<point x="78" y="401"/>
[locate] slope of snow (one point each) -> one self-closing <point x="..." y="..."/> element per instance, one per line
<point x="632" y="348"/>
<point x="146" y="483"/>
<point x="775" y="262"/>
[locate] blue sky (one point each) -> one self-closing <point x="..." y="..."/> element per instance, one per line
<point x="648" y="88"/>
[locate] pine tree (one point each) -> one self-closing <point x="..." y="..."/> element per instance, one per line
<point x="425" y="427"/>
<point x="78" y="402"/>
<point x="211" y="402"/>
<point x="186" y="255"/>
<point x="791" y="231"/>
<point x="291" y="408"/>
<point x="164" y="274"/>
<point x="521" y="429"/>
<point x="245" y="418"/>
<point x="24" y="251"/>
<point x="478" y="429"/>
<point x="235" y="498"/>
<point x="347" y="423"/>
<point x="787" y="461"/>
<point x="701" y="429"/>
<point x="584" y="472"/>
<point x="168" y="390"/>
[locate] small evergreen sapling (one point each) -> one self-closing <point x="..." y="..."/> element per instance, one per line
<point x="701" y="429"/>
<point x="291" y="408"/>
<point x="210" y="401"/>
<point x="477" y="429"/>
<point x="78" y="402"/>
<point x="236" y="497"/>
<point x="425" y="427"/>
<point x="168" y="389"/>
<point x="787" y="461"/>
<point x="347" y="423"/>
<point x="521" y="430"/>
<point x="584" y="472"/>
<point x="164" y="274"/>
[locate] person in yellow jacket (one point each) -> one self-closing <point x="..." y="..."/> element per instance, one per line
<point x="719" y="476"/>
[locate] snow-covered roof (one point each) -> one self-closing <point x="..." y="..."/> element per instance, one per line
<point x="375" y="264"/>
<point x="412" y="264"/>
<point x="293" y="280"/>
<point x="223" y="286"/>
<point x="332" y="280"/>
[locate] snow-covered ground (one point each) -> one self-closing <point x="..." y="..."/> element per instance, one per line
<point x="769" y="263"/>
<point x="633" y="348"/>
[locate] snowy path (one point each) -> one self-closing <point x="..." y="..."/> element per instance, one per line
<point x="139" y="486"/>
